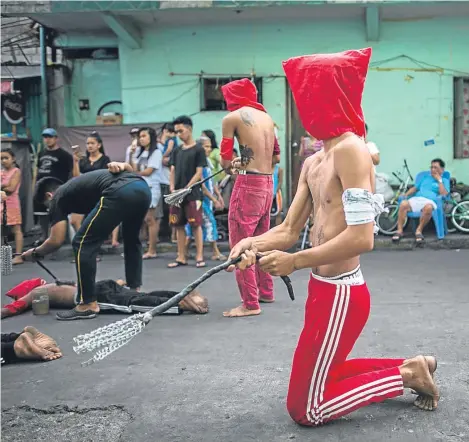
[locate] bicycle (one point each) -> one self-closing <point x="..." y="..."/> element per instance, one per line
<point x="387" y="220"/>
<point x="457" y="213"/>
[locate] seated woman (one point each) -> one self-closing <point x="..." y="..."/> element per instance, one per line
<point x="112" y="295"/>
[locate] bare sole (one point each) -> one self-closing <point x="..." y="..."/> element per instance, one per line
<point x="432" y="364"/>
<point x="419" y="378"/>
<point x="240" y="312"/>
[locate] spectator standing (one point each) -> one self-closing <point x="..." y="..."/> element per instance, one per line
<point x="209" y="141"/>
<point x="11" y="182"/>
<point x="168" y="142"/>
<point x="133" y="143"/>
<point x="94" y="159"/>
<point x="211" y="199"/>
<point x="372" y="148"/>
<point x="147" y="162"/>
<point x="187" y="163"/>
<point x="52" y="162"/>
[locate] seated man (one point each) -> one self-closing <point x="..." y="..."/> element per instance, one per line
<point x="111" y="295"/>
<point x="423" y="200"/>
<point x="30" y="345"/>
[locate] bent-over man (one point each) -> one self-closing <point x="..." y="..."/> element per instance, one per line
<point x="107" y="198"/>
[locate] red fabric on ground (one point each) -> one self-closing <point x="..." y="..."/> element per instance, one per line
<point x="25" y="287"/>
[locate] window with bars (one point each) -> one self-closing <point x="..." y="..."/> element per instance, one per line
<point x="461" y="117"/>
<point x="212" y="97"/>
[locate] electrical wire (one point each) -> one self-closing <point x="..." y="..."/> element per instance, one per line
<point x="159" y="105"/>
<point x="154" y="86"/>
<point x="421" y="64"/>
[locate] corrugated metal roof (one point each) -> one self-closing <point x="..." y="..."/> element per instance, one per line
<point x="18" y="72"/>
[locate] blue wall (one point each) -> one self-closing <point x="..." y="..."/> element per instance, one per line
<point x="403" y="107"/>
<point x="96" y="80"/>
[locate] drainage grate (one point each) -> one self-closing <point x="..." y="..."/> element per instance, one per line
<point x="61" y="423"/>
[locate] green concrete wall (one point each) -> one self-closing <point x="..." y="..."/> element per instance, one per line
<point x="99" y="81"/>
<point x="403" y="108"/>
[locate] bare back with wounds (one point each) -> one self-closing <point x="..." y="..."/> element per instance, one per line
<point x="254" y="130"/>
<point x="329" y="218"/>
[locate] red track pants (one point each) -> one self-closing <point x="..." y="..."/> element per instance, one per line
<point x="249" y="215"/>
<point x="323" y="384"/>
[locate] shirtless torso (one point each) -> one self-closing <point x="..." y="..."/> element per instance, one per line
<point x="254" y="130"/>
<point x="344" y="163"/>
<point x="326" y="191"/>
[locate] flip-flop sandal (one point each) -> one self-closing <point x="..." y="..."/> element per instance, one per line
<point x="397" y="237"/>
<point x="419" y="238"/>
<point x="175" y="264"/>
<point x="200" y="264"/>
<point x="219" y="257"/>
<point x="73" y="314"/>
<point x="145" y="258"/>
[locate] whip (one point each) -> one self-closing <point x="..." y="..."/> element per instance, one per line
<point x="57" y="281"/>
<point x="106" y="340"/>
<point x="176" y="198"/>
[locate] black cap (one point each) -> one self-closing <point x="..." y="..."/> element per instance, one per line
<point x="134" y="131"/>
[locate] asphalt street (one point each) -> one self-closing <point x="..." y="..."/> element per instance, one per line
<point x="209" y="378"/>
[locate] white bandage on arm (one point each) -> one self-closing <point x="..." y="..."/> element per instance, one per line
<point x="361" y="206"/>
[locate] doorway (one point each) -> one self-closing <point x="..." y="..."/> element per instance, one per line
<point x="295" y="136"/>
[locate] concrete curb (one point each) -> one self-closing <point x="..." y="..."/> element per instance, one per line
<point x="451" y="242"/>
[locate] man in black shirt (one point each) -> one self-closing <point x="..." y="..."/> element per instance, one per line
<point x="54" y="162"/>
<point x="187" y="162"/>
<point x="107" y="198"/>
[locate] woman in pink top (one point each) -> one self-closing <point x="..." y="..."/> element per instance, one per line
<point x="11" y="181"/>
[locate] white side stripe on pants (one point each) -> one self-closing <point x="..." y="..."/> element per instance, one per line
<point x="361" y="397"/>
<point x="346" y="289"/>
<point x="316" y="410"/>
<point x="323" y="415"/>
<point x="326" y="355"/>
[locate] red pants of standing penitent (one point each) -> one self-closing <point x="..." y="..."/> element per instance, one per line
<point x="249" y="215"/>
<point x="323" y="384"/>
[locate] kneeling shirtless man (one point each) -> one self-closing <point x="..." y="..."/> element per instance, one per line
<point x="338" y="182"/>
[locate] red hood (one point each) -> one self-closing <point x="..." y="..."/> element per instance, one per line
<point x="328" y="90"/>
<point x="241" y="93"/>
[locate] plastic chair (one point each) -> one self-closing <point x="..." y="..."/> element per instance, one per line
<point x="438" y="215"/>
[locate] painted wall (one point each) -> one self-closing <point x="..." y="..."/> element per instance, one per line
<point x="402" y="112"/>
<point x="99" y="81"/>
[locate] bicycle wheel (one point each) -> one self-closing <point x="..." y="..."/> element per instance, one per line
<point x="448" y="207"/>
<point x="460" y="216"/>
<point x="387" y="221"/>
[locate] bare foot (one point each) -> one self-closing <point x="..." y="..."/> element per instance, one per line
<point x="115" y="244"/>
<point x="416" y="375"/>
<point x="432" y="364"/>
<point x="42" y="340"/>
<point x="266" y="300"/>
<point x="194" y="302"/>
<point x="240" y="311"/>
<point x="17" y="260"/>
<point x="25" y="348"/>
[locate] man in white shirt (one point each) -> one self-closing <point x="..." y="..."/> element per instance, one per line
<point x="373" y="149"/>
